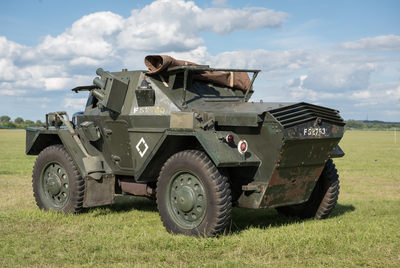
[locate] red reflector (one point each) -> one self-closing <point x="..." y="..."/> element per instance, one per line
<point x="229" y="138"/>
<point x="243" y="147"/>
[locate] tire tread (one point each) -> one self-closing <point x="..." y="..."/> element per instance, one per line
<point x="221" y="189"/>
<point x="77" y="195"/>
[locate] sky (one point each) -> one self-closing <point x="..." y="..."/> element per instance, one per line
<point x="340" y="54"/>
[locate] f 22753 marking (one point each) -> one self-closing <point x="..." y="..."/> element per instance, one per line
<point x="315" y="131"/>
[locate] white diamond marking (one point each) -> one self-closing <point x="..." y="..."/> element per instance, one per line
<point x="145" y="147"/>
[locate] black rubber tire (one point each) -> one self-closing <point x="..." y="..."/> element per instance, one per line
<point x="57" y="153"/>
<point x="216" y="186"/>
<point x="323" y="199"/>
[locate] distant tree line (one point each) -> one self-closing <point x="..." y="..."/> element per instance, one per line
<point x="19" y="122"/>
<point x="371" y="125"/>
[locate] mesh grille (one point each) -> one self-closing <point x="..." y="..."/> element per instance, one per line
<point x="303" y="112"/>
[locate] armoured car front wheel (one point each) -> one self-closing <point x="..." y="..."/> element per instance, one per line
<point x="323" y="199"/>
<point x="193" y="197"/>
<point x="57" y="184"/>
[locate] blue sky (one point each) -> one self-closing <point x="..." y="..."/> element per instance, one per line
<point x="340" y="54"/>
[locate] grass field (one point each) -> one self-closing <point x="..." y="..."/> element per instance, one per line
<point x="363" y="230"/>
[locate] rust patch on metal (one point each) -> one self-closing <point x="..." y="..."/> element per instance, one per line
<point x="291" y="187"/>
<point x="136" y="188"/>
<point x="334" y="129"/>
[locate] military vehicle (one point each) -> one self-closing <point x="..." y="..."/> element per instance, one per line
<point x="188" y="136"/>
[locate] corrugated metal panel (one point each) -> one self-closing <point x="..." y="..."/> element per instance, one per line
<point x="303" y="112"/>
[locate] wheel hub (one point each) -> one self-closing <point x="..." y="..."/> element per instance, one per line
<point x="54" y="184"/>
<point x="187" y="199"/>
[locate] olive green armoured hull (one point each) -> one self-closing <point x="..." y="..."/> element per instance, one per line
<point x="135" y="125"/>
<point x="281" y="166"/>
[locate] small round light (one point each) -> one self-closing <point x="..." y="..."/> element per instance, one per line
<point x="242" y="146"/>
<point x="229" y="138"/>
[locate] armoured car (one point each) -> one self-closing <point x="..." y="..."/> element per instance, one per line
<point x="188" y="136"/>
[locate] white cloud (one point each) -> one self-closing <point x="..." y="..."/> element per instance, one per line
<point x="9" y="49"/>
<point x="224" y="20"/>
<point x="43" y="70"/>
<point x="175" y="25"/>
<point x="34" y="99"/>
<point x="30" y="83"/>
<point x="108" y="39"/>
<point x="219" y="3"/>
<point x="393" y="112"/>
<point x="365" y="94"/>
<point x="199" y="55"/>
<point x="263" y="59"/>
<point x="394" y="93"/>
<point x="65" y="83"/>
<point x="90" y="36"/>
<point x="314" y="76"/>
<point x="300" y="93"/>
<point x="381" y="43"/>
<point x="75" y="103"/>
<point x="85" y="61"/>
<point x="297" y="82"/>
<point x="327" y="72"/>
<point x="377" y="96"/>
<point x="56" y="83"/>
<point x="339" y="76"/>
<point x="8" y="71"/>
<point x="162" y="25"/>
<point x="12" y="92"/>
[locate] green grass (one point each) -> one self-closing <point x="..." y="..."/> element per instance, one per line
<point x="363" y="230"/>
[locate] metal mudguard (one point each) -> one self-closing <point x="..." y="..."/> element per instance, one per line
<point x="88" y="164"/>
<point x="39" y="138"/>
<point x="99" y="188"/>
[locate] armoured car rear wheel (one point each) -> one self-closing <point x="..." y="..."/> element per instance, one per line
<point x="193" y="197"/>
<point x="57" y="184"/>
<point x="323" y="199"/>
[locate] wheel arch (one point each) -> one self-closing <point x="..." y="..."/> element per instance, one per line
<point x="171" y="144"/>
<point x="36" y="141"/>
<point x="39" y="139"/>
<point x="223" y="155"/>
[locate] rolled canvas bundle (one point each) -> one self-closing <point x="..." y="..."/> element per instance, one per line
<point x="159" y="64"/>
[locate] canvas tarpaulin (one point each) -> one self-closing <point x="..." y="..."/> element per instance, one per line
<point x="159" y="64"/>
